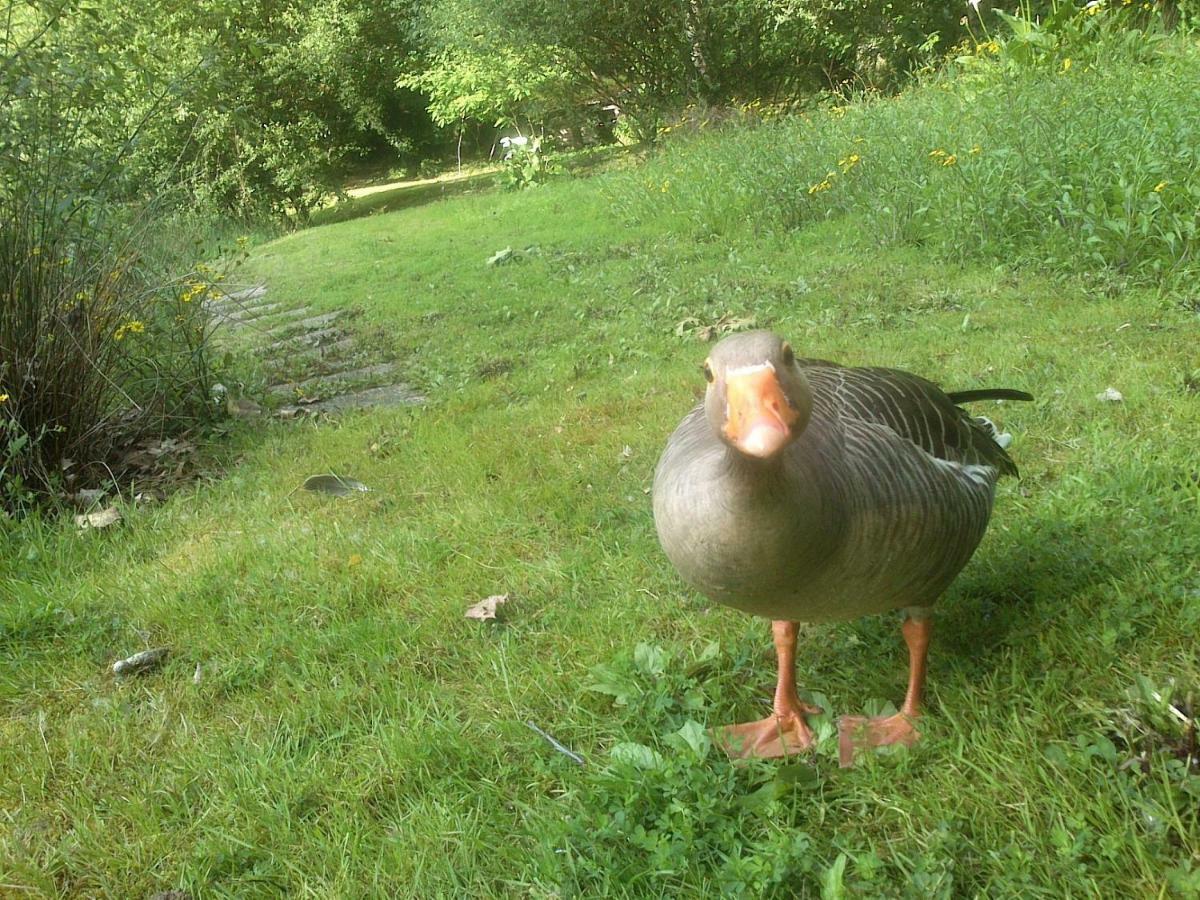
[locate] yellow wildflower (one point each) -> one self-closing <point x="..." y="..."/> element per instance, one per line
<point x="133" y="326"/>
<point x="1066" y="64"/>
<point x="849" y="162"/>
<point x="1158" y="188"/>
<point x="3" y="398"/>
<point x="976" y="150"/>
<point x="950" y="160"/>
<point x="666" y="186"/>
<point x="194" y="290"/>
<point x="837" y="111"/>
<point x="934" y="154"/>
<point x="823" y="185"/>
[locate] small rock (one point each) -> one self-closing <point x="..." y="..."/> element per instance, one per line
<point x="1110" y="395"/>
<point x="99" y="519"/>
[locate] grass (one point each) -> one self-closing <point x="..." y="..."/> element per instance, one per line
<point x="351" y="734"/>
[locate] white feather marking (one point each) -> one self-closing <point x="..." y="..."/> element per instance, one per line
<point x="749" y="370"/>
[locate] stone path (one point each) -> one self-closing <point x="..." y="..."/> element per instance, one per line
<point x="319" y="363"/>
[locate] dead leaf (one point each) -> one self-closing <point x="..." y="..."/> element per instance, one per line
<point x="334" y="484"/>
<point x="99" y="519"/>
<point x="486" y="610"/>
<point x="1110" y="395"/>
<point x="354" y="560"/>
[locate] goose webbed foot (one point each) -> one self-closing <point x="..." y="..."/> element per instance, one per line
<point x="783" y="734"/>
<point x="862" y="733"/>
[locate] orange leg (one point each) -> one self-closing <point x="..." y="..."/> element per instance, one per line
<point x="859" y="732"/>
<point x="785" y="732"/>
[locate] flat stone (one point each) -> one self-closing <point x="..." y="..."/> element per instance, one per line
<point x="383" y="395"/>
<point x="249" y="313"/>
<point x="324" y="350"/>
<point x="306" y="339"/>
<point x="241" y="296"/>
<point x="332" y="380"/>
<point x="310" y="324"/>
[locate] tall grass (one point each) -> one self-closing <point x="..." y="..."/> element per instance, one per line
<point x="1070" y="144"/>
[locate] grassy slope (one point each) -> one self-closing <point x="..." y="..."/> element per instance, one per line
<point x="351" y="732"/>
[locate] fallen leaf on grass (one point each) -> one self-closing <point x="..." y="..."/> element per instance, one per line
<point x="485" y="610"/>
<point x="1110" y="395"/>
<point x="141" y="662"/>
<point x="99" y="519"/>
<point x="334" y="484"/>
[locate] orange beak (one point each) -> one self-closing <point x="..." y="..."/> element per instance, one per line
<point x="759" y="417"/>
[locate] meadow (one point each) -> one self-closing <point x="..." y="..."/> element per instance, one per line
<point x="330" y="725"/>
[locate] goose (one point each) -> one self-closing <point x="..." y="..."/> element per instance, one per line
<point x="802" y="490"/>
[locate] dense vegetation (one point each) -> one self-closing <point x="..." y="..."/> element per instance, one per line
<point x="256" y="109"/>
<point x="329" y="725"/>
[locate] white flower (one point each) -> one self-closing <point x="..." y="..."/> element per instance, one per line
<point x="974" y="4"/>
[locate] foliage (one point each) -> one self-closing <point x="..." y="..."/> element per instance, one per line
<point x="478" y="67"/>
<point x="1012" y="155"/>
<point x="669" y="804"/>
<point x="254" y="108"/>
<point x="525" y="164"/>
<point x="98" y="347"/>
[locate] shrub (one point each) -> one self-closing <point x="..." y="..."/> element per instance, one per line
<point x="98" y="348"/>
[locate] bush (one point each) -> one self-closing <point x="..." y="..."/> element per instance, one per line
<point x="98" y="349"/>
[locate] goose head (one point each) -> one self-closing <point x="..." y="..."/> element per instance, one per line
<point x="758" y="400"/>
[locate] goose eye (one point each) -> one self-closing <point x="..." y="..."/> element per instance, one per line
<point x="788" y="356"/>
<point x="708" y="372"/>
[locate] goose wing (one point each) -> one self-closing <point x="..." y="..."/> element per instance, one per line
<point x="911" y="406"/>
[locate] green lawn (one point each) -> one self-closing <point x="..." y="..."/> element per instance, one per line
<point x="351" y="734"/>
